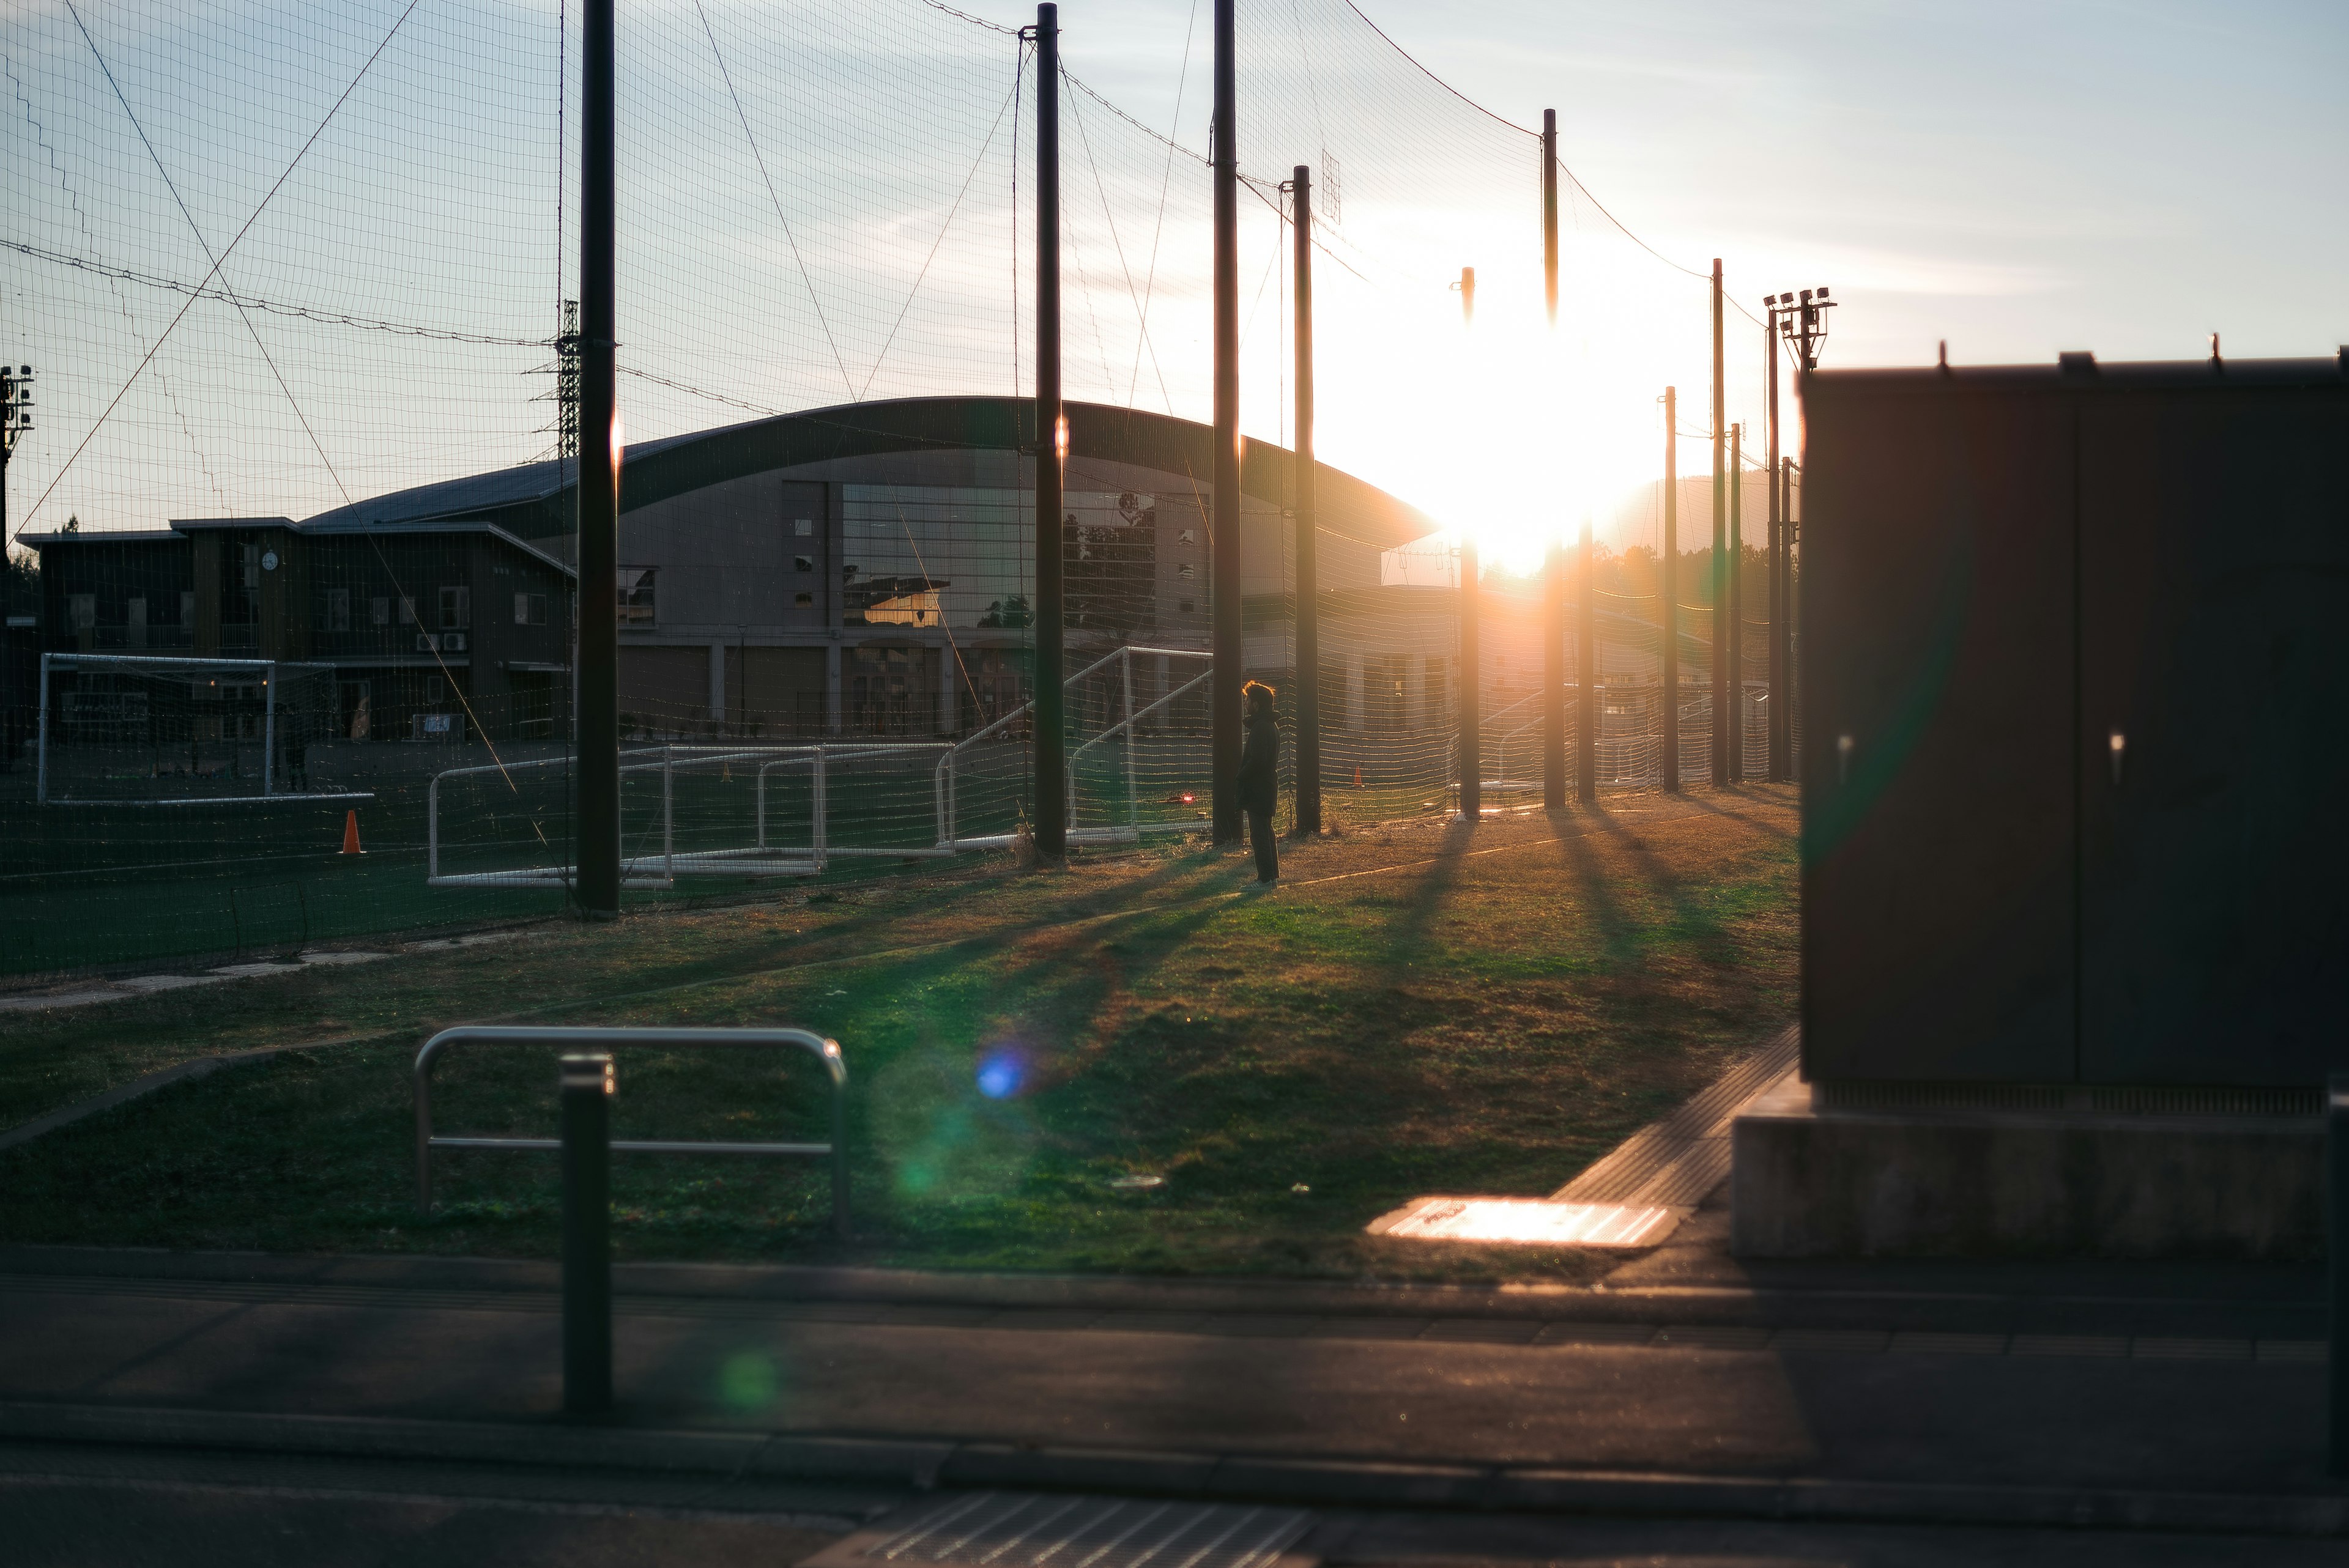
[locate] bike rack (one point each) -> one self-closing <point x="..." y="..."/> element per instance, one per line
<point x="825" y="1051"/>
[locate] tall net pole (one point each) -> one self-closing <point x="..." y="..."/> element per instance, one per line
<point x="1781" y="705"/>
<point x="1668" y="592"/>
<point x="1471" y="685"/>
<point x="1732" y="648"/>
<point x="1720" y="627"/>
<point x="1225" y="742"/>
<point x="1309" y="587"/>
<point x="598" y="844"/>
<point x="1553" y="661"/>
<point x="1051" y="778"/>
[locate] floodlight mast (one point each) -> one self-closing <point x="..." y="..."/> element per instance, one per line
<point x="1801" y="319"/>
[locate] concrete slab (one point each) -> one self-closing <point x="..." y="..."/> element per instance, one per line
<point x="1815" y="1182"/>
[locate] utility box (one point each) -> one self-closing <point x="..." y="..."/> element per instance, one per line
<point x="2075" y="700"/>
<point x="2075" y="688"/>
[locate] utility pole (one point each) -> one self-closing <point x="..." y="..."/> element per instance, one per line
<point x="1776" y="773"/>
<point x="1223" y="536"/>
<point x="1554" y="566"/>
<point x="598" y="848"/>
<point x="1472" y="696"/>
<point x="1733" y="653"/>
<point x="1051" y="825"/>
<point x="1586" y="674"/>
<point x="1800" y="319"/>
<point x="16" y="419"/>
<point x="1308" y="584"/>
<point x="1666" y="590"/>
<point x="1720" y="540"/>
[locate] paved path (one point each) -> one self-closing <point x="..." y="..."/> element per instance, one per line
<point x="2097" y="1379"/>
<point x="89" y="993"/>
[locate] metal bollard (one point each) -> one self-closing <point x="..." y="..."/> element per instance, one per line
<point x="586" y="1090"/>
<point x="2336" y="1251"/>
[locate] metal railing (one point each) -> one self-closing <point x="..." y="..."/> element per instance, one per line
<point x="827" y="1051"/>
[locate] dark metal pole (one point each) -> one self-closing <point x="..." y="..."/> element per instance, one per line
<point x="1733" y="650"/>
<point x="1051" y="827"/>
<point x="1549" y="211"/>
<point x="586" y="1092"/>
<point x="1720" y="540"/>
<point x="2336" y="1238"/>
<point x="1786" y="607"/>
<point x="1308" y="580"/>
<point x="1779" y="707"/>
<point x="1669" y="620"/>
<point x="597" y="850"/>
<point x="1472" y="687"/>
<point x="1585" y="675"/>
<point x="1554" y="566"/>
<point x="1224" y="526"/>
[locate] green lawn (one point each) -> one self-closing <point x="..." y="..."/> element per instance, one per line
<point x="1417" y="1010"/>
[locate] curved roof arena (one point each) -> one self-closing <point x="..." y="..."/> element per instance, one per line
<point x="532" y="500"/>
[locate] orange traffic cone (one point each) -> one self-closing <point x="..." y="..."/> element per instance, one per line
<point x="351" y="834"/>
<point x="1358" y="774"/>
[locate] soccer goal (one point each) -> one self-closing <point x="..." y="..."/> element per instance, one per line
<point x="697" y="811"/>
<point x="128" y="730"/>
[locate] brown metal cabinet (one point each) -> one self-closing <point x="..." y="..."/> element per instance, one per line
<point x="2214" y="735"/>
<point x="1938" y="580"/>
<point x="2074" y="716"/>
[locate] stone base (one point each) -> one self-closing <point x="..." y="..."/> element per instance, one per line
<point x="1809" y="1183"/>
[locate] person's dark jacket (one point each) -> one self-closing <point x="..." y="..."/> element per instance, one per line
<point x="1259" y="778"/>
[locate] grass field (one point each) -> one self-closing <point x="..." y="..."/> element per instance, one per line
<point x="1420" y="1008"/>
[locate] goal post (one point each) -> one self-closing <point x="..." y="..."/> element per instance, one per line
<point x="133" y="729"/>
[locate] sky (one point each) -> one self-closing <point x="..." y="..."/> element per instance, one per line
<point x="2015" y="179"/>
<point x="822" y="204"/>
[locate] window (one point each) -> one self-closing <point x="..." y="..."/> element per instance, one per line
<point x="335" y="610"/>
<point x="1186" y="571"/>
<point x="81" y="610"/>
<point x="379" y="612"/>
<point x="456" y="609"/>
<point x="406" y="611"/>
<point x="1183" y="606"/>
<point x="804" y="600"/>
<point x="636" y="587"/>
<point x="529" y="609"/>
<point x="1190" y="536"/>
<point x="802" y="563"/>
<point x="803" y="528"/>
<point x="187" y="611"/>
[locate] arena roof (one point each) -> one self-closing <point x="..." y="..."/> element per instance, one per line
<point x="525" y="499"/>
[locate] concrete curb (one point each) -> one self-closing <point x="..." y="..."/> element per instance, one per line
<point x="1305" y="1480"/>
<point x="2090" y="1305"/>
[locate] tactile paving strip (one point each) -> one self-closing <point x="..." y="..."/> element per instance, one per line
<point x="1015" y="1530"/>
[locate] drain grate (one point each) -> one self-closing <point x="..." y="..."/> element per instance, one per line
<point x="1010" y="1530"/>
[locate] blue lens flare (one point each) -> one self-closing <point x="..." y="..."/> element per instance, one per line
<point x="1000" y="1074"/>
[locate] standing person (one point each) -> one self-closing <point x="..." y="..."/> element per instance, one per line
<point x="1259" y="778"/>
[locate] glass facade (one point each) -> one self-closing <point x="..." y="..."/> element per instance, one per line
<point x="963" y="558"/>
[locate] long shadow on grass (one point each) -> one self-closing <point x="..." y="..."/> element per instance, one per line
<point x="1691" y="917"/>
<point x="1407" y="937"/>
<point x="1619" y="933"/>
<point x="1713" y="803"/>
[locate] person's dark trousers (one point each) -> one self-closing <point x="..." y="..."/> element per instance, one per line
<point x="1267" y="848"/>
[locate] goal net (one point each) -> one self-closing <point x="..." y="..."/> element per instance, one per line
<point x="125" y="729"/>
